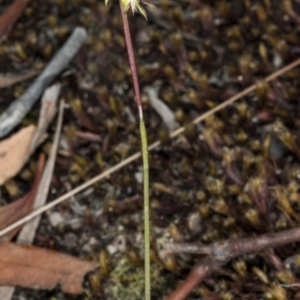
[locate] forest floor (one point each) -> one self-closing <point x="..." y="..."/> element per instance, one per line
<point x="235" y="174"/>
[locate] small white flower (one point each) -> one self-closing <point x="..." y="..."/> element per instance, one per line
<point x="135" y="5"/>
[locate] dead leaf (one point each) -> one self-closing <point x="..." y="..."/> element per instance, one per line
<point x="27" y="232"/>
<point x="14" y="211"/>
<point x="89" y="136"/>
<point x="37" y="268"/>
<point x="14" y="151"/>
<point x="11" y="15"/>
<point x="47" y="113"/>
<point x="163" y="188"/>
<point x="8" y="80"/>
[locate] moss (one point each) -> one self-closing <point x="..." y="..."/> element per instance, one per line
<point x="127" y="281"/>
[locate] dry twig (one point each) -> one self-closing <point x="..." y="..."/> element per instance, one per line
<point x="218" y="254"/>
<point x="19" y="108"/>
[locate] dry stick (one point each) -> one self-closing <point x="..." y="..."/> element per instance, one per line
<point x="47" y="112"/>
<point x="20" y="107"/>
<point x="137" y="155"/>
<point x="222" y="252"/>
<point x="163" y="110"/>
<point x="28" y="231"/>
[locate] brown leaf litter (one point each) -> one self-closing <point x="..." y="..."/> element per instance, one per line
<point x="14" y="151"/>
<point x="11" y="15"/>
<point x="38" y="268"/>
<point x="16" y="210"/>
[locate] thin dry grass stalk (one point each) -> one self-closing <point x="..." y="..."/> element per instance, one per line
<point x="137" y="155"/>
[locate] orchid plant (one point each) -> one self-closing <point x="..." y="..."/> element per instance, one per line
<point x="135" y="6"/>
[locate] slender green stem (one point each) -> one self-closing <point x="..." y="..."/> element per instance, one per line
<point x="143" y="134"/>
<point x="146" y="209"/>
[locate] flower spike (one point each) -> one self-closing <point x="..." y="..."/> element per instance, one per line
<point x="135" y="5"/>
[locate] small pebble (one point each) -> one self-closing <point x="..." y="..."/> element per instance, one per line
<point x="55" y="219"/>
<point x="118" y="245"/>
<point x="70" y="240"/>
<point x="194" y="222"/>
<point x="74" y="223"/>
<point x="93" y="241"/>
